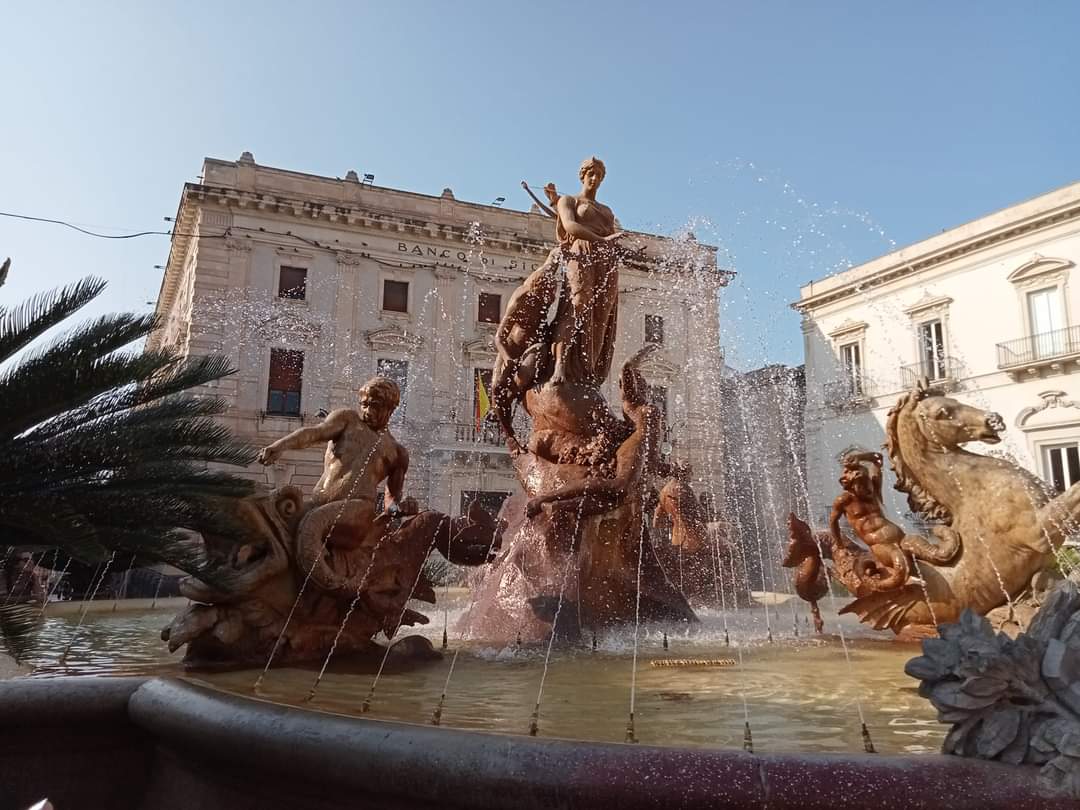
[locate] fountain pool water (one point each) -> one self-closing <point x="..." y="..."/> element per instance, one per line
<point x="800" y="692"/>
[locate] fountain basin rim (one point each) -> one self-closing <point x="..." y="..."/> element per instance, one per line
<point x="214" y="736"/>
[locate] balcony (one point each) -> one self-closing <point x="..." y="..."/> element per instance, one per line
<point x="1035" y="351"/>
<point x="945" y="373"/>
<point x="847" y="393"/>
<point x="487" y="435"/>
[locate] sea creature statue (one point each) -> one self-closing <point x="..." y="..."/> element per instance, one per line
<point x="804" y="554"/>
<point x="998" y="523"/>
<point x="296" y="568"/>
<point x="678" y="505"/>
<point x="1012" y="700"/>
<point x="889" y="563"/>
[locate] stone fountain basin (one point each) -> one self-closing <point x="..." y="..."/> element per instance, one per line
<point x="161" y="743"/>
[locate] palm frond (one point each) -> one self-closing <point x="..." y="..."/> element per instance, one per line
<point x="107" y="449"/>
<point x="75" y="369"/>
<point x="28" y="321"/>
<point x="4" y="270"/>
<point x="171" y="380"/>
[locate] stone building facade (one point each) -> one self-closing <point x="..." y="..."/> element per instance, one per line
<point x="311" y="285"/>
<point x="989" y="311"/>
<point x="764" y="466"/>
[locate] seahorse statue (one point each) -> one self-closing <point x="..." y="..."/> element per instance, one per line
<point x="1009" y="521"/>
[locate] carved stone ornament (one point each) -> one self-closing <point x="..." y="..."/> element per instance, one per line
<point x="393" y="337"/>
<point x="291" y="324"/>
<point x="1012" y="700"/>
<point x="1050" y="399"/>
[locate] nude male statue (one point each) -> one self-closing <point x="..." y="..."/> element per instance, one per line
<point x="889" y="563"/>
<point x="360" y="452"/>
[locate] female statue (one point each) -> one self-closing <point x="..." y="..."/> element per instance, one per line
<point x="583" y="339"/>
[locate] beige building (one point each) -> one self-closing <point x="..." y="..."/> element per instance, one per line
<point x="989" y="310"/>
<point x="311" y="285"/>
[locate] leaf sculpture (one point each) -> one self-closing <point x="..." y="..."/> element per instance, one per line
<point x="1012" y="700"/>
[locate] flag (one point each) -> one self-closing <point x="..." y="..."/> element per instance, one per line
<point x="483" y="404"/>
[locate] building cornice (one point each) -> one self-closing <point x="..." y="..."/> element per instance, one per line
<point x="1043" y="212"/>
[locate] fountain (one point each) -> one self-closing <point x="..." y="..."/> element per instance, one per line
<point x="581" y="623"/>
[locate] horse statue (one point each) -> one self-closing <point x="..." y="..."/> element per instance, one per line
<point x="1007" y="521"/>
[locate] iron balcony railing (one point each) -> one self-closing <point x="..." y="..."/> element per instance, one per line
<point x="847" y="392"/>
<point x="487" y="433"/>
<point x="1040" y="348"/>
<point x="942" y="370"/>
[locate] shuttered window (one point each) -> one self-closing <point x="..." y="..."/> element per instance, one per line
<point x="489" y="306"/>
<point x="292" y="283"/>
<point x="395" y="296"/>
<point x="286" y="379"/>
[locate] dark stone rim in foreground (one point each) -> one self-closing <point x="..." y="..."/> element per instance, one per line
<point x="216" y="738"/>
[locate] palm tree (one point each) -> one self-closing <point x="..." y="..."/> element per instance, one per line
<point x="107" y="453"/>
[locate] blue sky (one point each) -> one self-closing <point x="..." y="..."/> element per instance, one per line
<point x="797" y="136"/>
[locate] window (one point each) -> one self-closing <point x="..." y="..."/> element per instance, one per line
<point x="932" y="350"/>
<point x="395" y="296"/>
<point x="658" y="399"/>
<point x="654" y="329"/>
<point x="1047" y="321"/>
<point x="489" y="308"/>
<point x="292" y="283"/>
<point x="1061" y="464"/>
<point x="490" y="500"/>
<point x="398" y="371"/>
<point x="286" y="376"/>
<point x="851" y="360"/>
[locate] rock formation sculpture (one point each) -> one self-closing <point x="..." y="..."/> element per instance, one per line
<point x="303" y="566"/>
<point x="577" y="536"/>
<point x="998" y="524"/>
<point x="1012" y="700"/>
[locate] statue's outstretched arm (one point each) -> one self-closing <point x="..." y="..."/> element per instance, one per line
<point x="325" y="431"/>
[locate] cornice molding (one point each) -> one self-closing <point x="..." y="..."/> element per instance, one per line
<point x="481" y="348"/>
<point x="355" y="214"/>
<point x="928" y="303"/>
<point x="392" y="337"/>
<point x="290" y="322"/>
<point x="903" y="268"/>
<point x="658" y="367"/>
<point x="1050" y="399"/>
<point x="1038" y="268"/>
<point x="849" y="327"/>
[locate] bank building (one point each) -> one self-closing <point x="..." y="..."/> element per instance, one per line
<point x="988" y="311"/>
<point x="311" y="285"/>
